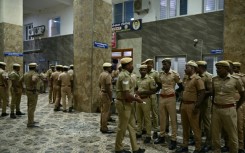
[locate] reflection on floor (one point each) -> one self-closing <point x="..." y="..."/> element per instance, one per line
<point x="63" y="132"/>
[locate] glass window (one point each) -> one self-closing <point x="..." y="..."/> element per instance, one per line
<point x="220" y="4"/>
<point x="168" y="9"/>
<point x="116" y="54"/>
<point x="127" y="53"/>
<point x="123" y="12"/>
<point x="28" y="31"/>
<point x="118" y="16"/>
<point x="183" y="7"/>
<point x="213" y="5"/>
<point x="54" y="27"/>
<point x="163" y="9"/>
<point x="172" y="8"/>
<point x="128" y="10"/>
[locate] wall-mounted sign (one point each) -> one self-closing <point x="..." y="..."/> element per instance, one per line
<point x="114" y="40"/>
<point x="216" y="51"/>
<point x="127" y="26"/>
<point x="12" y="54"/>
<point x="36" y="31"/>
<point x="100" y="45"/>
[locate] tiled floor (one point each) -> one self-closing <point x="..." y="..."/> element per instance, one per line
<point x="63" y="132"/>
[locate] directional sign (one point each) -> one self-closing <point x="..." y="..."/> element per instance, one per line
<point x="100" y="45"/>
<point x="12" y="54"/>
<point x="216" y="51"/>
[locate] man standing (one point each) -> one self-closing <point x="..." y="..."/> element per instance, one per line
<point x="224" y="114"/>
<point x="49" y="72"/>
<point x="30" y="80"/>
<point x="56" y="87"/>
<point x="16" y="91"/>
<point x="154" y="107"/>
<point x="193" y="94"/>
<point x="125" y="108"/>
<point x="205" y="108"/>
<point x="105" y="85"/>
<point x="3" y="88"/>
<point x="167" y="102"/>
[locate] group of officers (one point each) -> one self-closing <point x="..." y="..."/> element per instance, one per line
<point x="60" y="86"/>
<point x="212" y="104"/>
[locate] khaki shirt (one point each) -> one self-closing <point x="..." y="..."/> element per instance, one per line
<point x="207" y="79"/>
<point x="48" y="73"/>
<point x="104" y="80"/>
<point x="14" y="76"/>
<point x="145" y="84"/>
<point x="169" y="81"/>
<point x="54" y="78"/>
<point x="192" y="85"/>
<point x="70" y="72"/>
<point x="242" y="77"/>
<point x="155" y="75"/>
<point x="3" y="78"/>
<point x="124" y="83"/>
<point x="225" y="89"/>
<point x="65" y="79"/>
<point x="31" y="79"/>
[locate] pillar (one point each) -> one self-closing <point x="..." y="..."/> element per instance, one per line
<point x="92" y="23"/>
<point x="234" y="31"/>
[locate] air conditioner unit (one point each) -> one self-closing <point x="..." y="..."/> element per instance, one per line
<point x="39" y="30"/>
<point x="30" y="32"/>
<point x="142" y="6"/>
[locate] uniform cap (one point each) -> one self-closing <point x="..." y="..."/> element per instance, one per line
<point x="2" y="63"/>
<point x="192" y="63"/>
<point x="107" y="65"/>
<point x="33" y="65"/>
<point x="237" y="64"/>
<point x="61" y="66"/>
<point x="222" y="63"/>
<point x="143" y="66"/>
<point x="143" y="63"/>
<point x="119" y="66"/>
<point x="167" y="60"/>
<point x="229" y="61"/>
<point x="126" y="60"/>
<point x="17" y="65"/>
<point x="51" y="65"/>
<point x="71" y="65"/>
<point x="65" y="67"/>
<point x="201" y="63"/>
<point x="149" y="60"/>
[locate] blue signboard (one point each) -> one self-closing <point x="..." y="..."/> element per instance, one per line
<point x="216" y="51"/>
<point x="12" y="54"/>
<point x="100" y="45"/>
<point x="127" y="26"/>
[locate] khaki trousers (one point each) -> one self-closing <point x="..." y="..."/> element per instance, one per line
<point x="241" y="125"/>
<point x="50" y="95"/>
<point x="31" y="106"/>
<point x="126" y="121"/>
<point x="154" y="112"/>
<point x="143" y="112"/>
<point x="105" y="104"/>
<point x="66" y="91"/>
<point x="167" y="106"/>
<point x="3" y="96"/>
<point x="15" y="100"/>
<point x="57" y="94"/>
<point x="224" y="118"/>
<point x="188" y="120"/>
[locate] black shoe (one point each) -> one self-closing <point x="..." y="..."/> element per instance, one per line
<point x="182" y="149"/>
<point x="241" y="151"/>
<point x="12" y="115"/>
<point x="155" y="135"/>
<point x="167" y="130"/>
<point x="225" y="149"/>
<point x="107" y="132"/>
<point x="138" y="136"/>
<point x="197" y="151"/>
<point x="191" y="142"/>
<point x="20" y="113"/>
<point x="139" y="151"/>
<point x="32" y="126"/>
<point x="144" y="132"/>
<point x="35" y="122"/>
<point x="159" y="140"/>
<point x="172" y="145"/>
<point x="65" y="110"/>
<point x="147" y="140"/>
<point x="70" y="110"/>
<point x="57" y="109"/>
<point x="206" y="148"/>
<point x="123" y="151"/>
<point x="4" y="114"/>
<point x="111" y="120"/>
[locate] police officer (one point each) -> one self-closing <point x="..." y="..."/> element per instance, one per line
<point x="205" y="109"/>
<point x="3" y="88"/>
<point x="66" y="83"/>
<point x="224" y="113"/>
<point x="105" y="85"/>
<point x="49" y="72"/>
<point x="145" y="87"/>
<point x="30" y="80"/>
<point x="167" y="101"/>
<point x="71" y="72"/>
<point x="16" y="91"/>
<point x="193" y="94"/>
<point x="154" y="107"/>
<point x="124" y="104"/>
<point x="56" y="87"/>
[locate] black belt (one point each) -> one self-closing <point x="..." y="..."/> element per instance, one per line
<point x="31" y="89"/>
<point x="2" y="85"/>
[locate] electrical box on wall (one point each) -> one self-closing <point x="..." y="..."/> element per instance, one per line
<point x="142" y="6"/>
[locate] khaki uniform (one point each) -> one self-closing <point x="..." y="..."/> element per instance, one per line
<point x="43" y="78"/>
<point x="167" y="102"/>
<point x="50" y="96"/>
<point x="56" y="88"/>
<point x="125" y="111"/>
<point x="105" y="99"/>
<point x="143" y="111"/>
<point x="31" y="79"/>
<point x="154" y="106"/>
<point x="16" y="91"/>
<point x="3" y="89"/>
<point x="192" y="85"/>
<point x="65" y="80"/>
<point x="205" y="108"/>
<point x="224" y="111"/>
<point x="71" y="72"/>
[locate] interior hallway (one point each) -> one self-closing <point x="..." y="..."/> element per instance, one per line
<point x="63" y="132"/>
